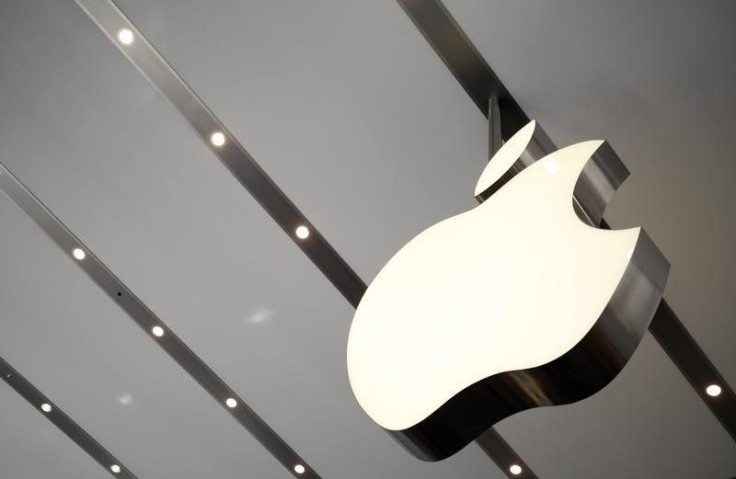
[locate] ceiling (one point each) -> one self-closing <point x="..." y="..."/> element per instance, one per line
<point x="353" y="115"/>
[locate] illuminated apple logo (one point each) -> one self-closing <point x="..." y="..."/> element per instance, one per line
<point x="514" y="304"/>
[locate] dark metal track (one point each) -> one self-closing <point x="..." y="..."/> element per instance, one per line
<point x="504" y="455"/>
<point x="66" y="424"/>
<point x="110" y="19"/>
<point x="464" y="61"/>
<point x="147" y="320"/>
<point x="694" y="365"/>
<point x="232" y="154"/>
<point x="471" y="70"/>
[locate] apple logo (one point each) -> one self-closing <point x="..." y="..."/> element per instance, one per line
<point x="514" y="304"/>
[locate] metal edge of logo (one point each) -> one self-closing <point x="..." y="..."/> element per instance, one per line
<point x="579" y="373"/>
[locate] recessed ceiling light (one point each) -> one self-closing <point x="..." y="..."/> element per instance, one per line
<point x="46" y="407"/>
<point x="79" y="254"/>
<point x="515" y="469"/>
<point x="115" y="468"/>
<point x="157" y="331"/>
<point x="126" y="36"/>
<point x="217" y="138"/>
<point x="713" y="390"/>
<point x="231" y="403"/>
<point x="302" y="232"/>
<point x="299" y="469"/>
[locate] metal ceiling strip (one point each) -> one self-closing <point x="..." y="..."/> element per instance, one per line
<point x="464" y="61"/>
<point x="471" y="70"/>
<point x="147" y="319"/>
<point x="66" y="424"/>
<point x="232" y="154"/>
<point x="503" y="454"/>
<point x="142" y="54"/>
<point x="694" y="365"/>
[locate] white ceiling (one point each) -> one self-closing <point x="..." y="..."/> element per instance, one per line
<point x="353" y="115"/>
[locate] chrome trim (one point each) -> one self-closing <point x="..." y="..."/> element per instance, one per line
<point x="495" y="139"/>
<point x="600" y="179"/>
<point x="471" y="70"/>
<point x="581" y="372"/>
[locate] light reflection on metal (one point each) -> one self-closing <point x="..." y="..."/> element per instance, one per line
<point x="526" y="304"/>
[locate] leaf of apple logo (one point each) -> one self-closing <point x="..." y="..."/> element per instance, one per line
<point x="512" y="305"/>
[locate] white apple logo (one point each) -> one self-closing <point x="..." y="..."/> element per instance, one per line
<point x="514" y="304"/>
